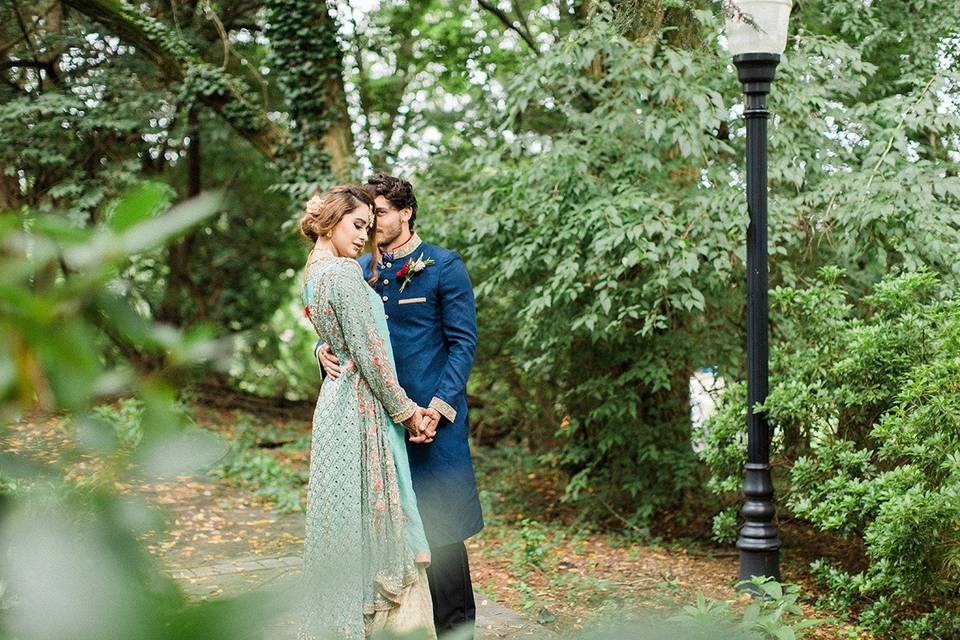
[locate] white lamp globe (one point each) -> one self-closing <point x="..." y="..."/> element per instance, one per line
<point x="757" y="26"/>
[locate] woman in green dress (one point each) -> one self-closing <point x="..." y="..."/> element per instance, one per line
<point x="365" y="551"/>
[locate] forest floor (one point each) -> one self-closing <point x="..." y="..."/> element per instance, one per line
<point x="240" y="528"/>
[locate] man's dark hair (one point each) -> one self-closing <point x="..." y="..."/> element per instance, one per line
<point x="397" y="191"/>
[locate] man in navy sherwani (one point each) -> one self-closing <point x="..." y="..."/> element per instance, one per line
<point x="433" y="329"/>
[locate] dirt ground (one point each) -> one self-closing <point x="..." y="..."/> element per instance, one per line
<point x="550" y="572"/>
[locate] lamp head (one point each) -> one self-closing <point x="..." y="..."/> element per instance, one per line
<point x="757" y="26"/>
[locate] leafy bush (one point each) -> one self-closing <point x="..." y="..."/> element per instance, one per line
<point x="865" y="406"/>
<point x="252" y="467"/>
<point x="276" y="359"/>
<point x="775" y="615"/>
<point x="125" y="418"/>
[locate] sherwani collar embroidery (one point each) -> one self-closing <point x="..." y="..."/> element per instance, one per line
<point x="406" y="248"/>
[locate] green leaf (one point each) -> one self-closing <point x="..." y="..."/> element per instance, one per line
<point x="785" y="633"/>
<point x="773" y="589"/>
<point x="138" y="204"/>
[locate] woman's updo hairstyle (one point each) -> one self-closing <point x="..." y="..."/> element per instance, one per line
<point x="322" y="213"/>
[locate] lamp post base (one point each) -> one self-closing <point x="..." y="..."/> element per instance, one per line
<point x="759" y="543"/>
<point x="758" y="563"/>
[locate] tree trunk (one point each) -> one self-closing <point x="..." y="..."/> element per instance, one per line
<point x="308" y="63"/>
<point x="54" y="20"/>
<point x="9" y="191"/>
<point x="180" y="286"/>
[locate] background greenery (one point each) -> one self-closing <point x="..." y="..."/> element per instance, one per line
<point x="865" y="402"/>
<point x="587" y="160"/>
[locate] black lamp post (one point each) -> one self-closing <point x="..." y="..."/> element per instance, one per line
<point x="756" y="35"/>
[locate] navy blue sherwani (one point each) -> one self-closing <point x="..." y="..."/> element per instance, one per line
<point x="433" y="328"/>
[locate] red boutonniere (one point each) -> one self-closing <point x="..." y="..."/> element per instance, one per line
<point x="306" y="312"/>
<point x="412" y="268"/>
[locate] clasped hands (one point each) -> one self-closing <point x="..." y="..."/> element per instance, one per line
<point x="422" y="425"/>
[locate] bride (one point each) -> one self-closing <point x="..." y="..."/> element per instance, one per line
<point x="365" y="551"/>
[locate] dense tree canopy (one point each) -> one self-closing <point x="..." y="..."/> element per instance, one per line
<point x="605" y="219"/>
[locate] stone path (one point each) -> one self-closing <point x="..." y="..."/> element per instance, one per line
<point x="278" y="575"/>
<point x="213" y="556"/>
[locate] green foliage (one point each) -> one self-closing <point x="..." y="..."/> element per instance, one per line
<point x="534" y="549"/>
<point x="775" y="614"/>
<point x="276" y="359"/>
<point x="76" y="570"/>
<point x="103" y="117"/>
<point x="864" y="402"/>
<point x="226" y="273"/>
<point x="903" y="41"/>
<point x="249" y="466"/>
<point x="125" y="417"/>
<point x="571" y="267"/>
<point x="204" y="81"/>
<point x="724" y="525"/>
<point x="604" y="276"/>
<point x="422" y="68"/>
<point x="306" y="58"/>
<point x="50" y="174"/>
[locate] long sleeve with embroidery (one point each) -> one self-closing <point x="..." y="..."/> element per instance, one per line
<point x="350" y="299"/>
<point x="459" y="318"/>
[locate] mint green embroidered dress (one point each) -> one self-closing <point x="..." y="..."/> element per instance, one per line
<point x="364" y="549"/>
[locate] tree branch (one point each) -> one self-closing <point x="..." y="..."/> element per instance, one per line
<point x="179" y="63"/>
<point x="33" y="64"/>
<point x="521" y="15"/>
<point x="510" y="24"/>
<point x="221" y="32"/>
<point x="23" y="26"/>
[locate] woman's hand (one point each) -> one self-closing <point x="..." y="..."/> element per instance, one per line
<point x="419" y="426"/>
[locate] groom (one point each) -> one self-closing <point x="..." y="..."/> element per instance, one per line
<point x="430" y="311"/>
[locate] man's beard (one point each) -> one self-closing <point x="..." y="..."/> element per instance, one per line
<point x="389" y="239"/>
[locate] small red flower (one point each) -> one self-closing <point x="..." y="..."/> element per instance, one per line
<point x="412" y="268"/>
<point x="306" y="312"/>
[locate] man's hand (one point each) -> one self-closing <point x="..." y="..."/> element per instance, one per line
<point x="328" y="361"/>
<point x="415" y="425"/>
<point x="431" y="420"/>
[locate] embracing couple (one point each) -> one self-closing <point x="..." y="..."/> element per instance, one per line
<point x="392" y="495"/>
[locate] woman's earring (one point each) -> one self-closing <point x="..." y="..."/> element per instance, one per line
<point x="329" y="234"/>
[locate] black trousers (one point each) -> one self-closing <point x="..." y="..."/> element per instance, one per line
<point x="451" y="589"/>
